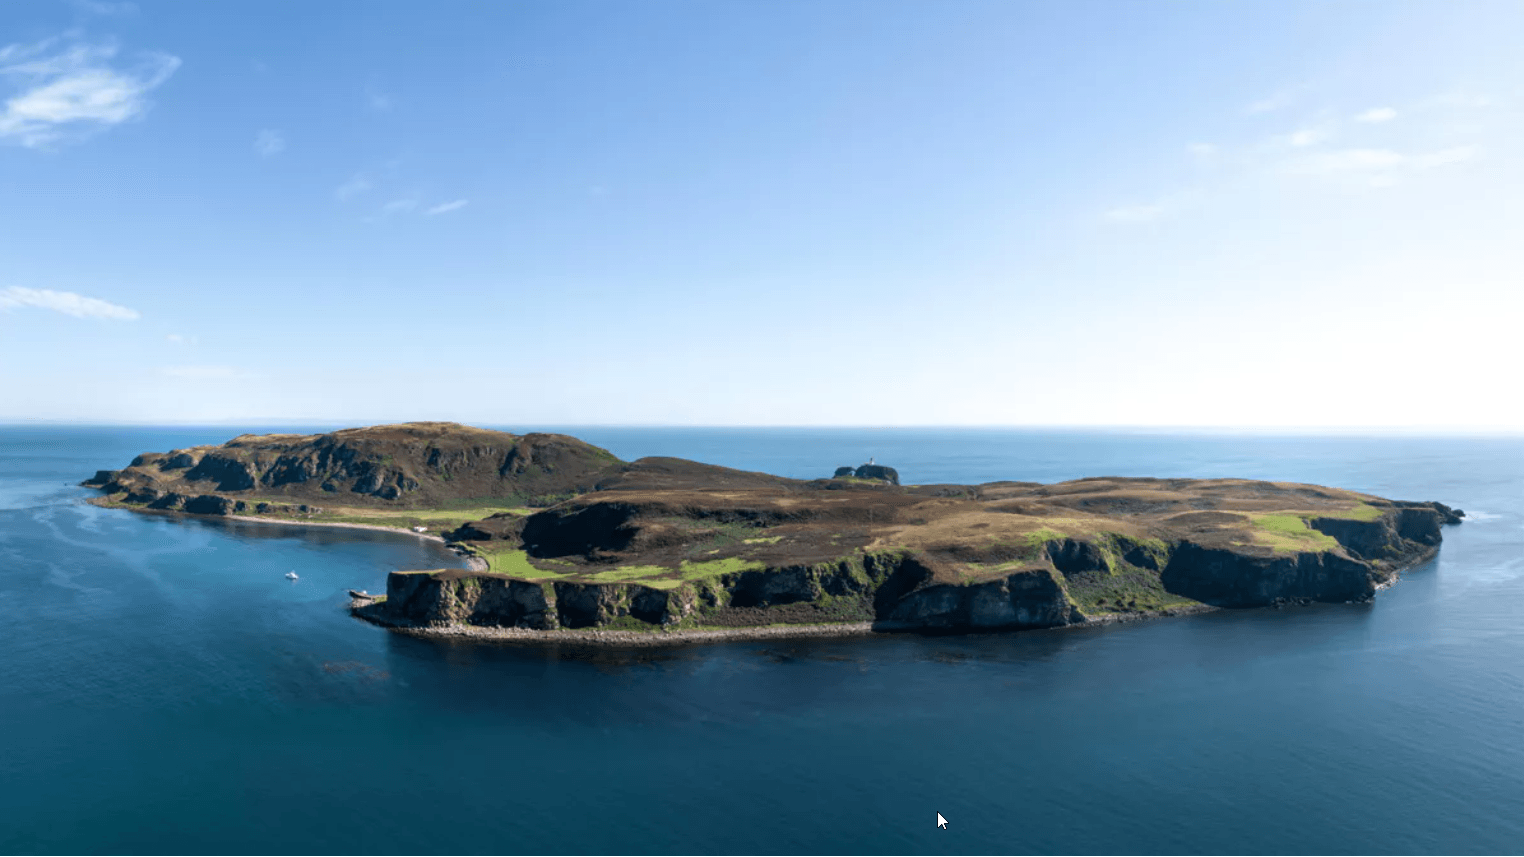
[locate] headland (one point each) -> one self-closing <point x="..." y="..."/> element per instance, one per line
<point x="569" y="543"/>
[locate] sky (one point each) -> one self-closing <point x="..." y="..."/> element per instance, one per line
<point x="763" y="213"/>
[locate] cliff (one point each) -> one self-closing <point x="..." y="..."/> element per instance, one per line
<point x="665" y="545"/>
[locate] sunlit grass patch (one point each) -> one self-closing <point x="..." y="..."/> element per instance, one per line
<point x="1289" y="533"/>
<point x="626" y="573"/>
<point x="715" y="567"/>
<point x="512" y="562"/>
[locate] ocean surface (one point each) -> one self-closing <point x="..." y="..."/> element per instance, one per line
<point x="164" y="689"/>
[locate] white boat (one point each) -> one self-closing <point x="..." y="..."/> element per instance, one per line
<point x="290" y="575"/>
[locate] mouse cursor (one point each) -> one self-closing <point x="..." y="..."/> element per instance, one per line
<point x="941" y="822"/>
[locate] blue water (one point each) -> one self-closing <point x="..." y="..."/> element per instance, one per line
<point x="163" y="688"/>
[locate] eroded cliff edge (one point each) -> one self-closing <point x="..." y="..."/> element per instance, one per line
<point x="663" y="547"/>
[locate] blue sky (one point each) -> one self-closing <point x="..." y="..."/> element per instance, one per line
<point x="763" y="213"/>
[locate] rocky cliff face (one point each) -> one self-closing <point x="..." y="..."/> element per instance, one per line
<point x="909" y="590"/>
<point x="894" y="590"/>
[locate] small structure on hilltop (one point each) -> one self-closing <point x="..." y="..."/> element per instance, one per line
<point x="870" y="470"/>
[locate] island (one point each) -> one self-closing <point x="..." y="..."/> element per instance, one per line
<point x="566" y="542"/>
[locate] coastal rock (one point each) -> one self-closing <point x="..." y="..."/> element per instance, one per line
<point x="169" y="501"/>
<point x="226" y="472"/>
<point x="1239" y="578"/>
<point x="1031" y="598"/>
<point x="878" y="471"/>
<point x="208" y="504"/>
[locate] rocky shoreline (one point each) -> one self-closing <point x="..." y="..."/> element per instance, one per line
<point x="659" y="638"/>
<point x="472" y="563"/>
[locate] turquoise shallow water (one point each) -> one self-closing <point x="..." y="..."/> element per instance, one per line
<point x="164" y="689"/>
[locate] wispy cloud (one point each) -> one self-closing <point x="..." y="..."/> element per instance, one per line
<point x="1347" y="160"/>
<point x="1136" y="213"/>
<point x="181" y="340"/>
<point x="1445" y="157"/>
<point x="105" y="9"/>
<point x="1356" y="160"/>
<point x="269" y="142"/>
<point x="1307" y="137"/>
<point x="378" y="101"/>
<point x="358" y="184"/>
<point x="447" y="207"/>
<point x="1377" y="114"/>
<point x="1277" y="101"/>
<point x="207" y="373"/>
<point x="63" y="89"/>
<point x="1202" y="150"/>
<point x="67" y="303"/>
<point x="399" y="206"/>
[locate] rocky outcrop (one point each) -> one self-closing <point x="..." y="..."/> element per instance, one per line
<point x="101" y="478"/>
<point x="431" y="599"/>
<point x="878" y="471"/>
<point x="1030" y="598"/>
<point x="894" y="589"/>
<point x="1246" y="578"/>
<point x="1391" y="535"/>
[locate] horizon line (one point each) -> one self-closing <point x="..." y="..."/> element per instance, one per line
<point x="1433" y="430"/>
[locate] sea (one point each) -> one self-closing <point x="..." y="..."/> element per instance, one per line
<point x="164" y="689"/>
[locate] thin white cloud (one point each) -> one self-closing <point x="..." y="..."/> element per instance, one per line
<point x="1377" y="114"/>
<point x="178" y="339"/>
<point x="67" y="303"/>
<point x="206" y="373"/>
<point x="1347" y="161"/>
<point x="62" y="91"/>
<point x="399" y="206"/>
<point x="1135" y="213"/>
<point x="358" y="184"/>
<point x="1445" y="157"/>
<point x="447" y="207"/>
<point x="269" y="142"/>
<point x="1307" y="137"/>
<point x="1202" y="150"/>
<point x="105" y="9"/>
<point x="378" y="101"/>
<point x="1274" y="102"/>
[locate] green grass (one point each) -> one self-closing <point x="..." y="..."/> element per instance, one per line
<point x="512" y="562"/>
<point x="717" y="567"/>
<point x="1039" y="537"/>
<point x="1361" y="512"/>
<point x="436" y="520"/>
<point x="1126" y="589"/>
<point x="626" y="573"/>
<point x="1289" y="534"/>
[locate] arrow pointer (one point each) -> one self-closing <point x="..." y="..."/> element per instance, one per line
<point x="941" y="822"/>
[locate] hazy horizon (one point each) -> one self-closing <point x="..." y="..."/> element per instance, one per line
<point x="1197" y="216"/>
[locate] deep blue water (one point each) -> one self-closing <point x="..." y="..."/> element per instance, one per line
<point x="163" y="689"/>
